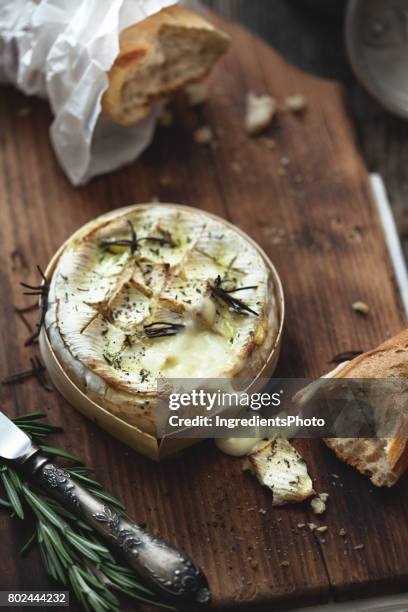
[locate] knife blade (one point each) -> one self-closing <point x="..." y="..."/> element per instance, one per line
<point x="166" y="569"/>
<point x="14" y="443"/>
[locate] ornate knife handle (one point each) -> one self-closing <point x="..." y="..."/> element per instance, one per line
<point x="165" y="569"/>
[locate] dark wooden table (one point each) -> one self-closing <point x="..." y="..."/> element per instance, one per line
<point x="324" y="237"/>
<point x="313" y="40"/>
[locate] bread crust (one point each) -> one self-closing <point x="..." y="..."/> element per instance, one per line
<point x="390" y="455"/>
<point x="140" y="48"/>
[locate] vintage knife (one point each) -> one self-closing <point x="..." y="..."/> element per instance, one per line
<point x="165" y="569"/>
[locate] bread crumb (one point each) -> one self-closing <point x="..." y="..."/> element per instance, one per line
<point x="318" y="503"/>
<point x="342" y="532"/>
<point x="24" y="111"/>
<point x="203" y="135"/>
<point x="197" y="93"/>
<point x="254" y="564"/>
<point x="322" y="529"/>
<point x="270" y="143"/>
<point x="166" y="119"/>
<point x="361" y="308"/>
<point x="165" y="181"/>
<point x="296" y="103"/>
<point x="301" y="525"/>
<point x="358" y="547"/>
<point x="262" y="511"/>
<point x="312" y="526"/>
<point x="285" y="563"/>
<point x="235" y="167"/>
<point x="260" y="112"/>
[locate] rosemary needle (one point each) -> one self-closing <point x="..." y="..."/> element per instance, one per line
<point x="41" y="291"/>
<point x="233" y="303"/>
<point x="160" y="329"/>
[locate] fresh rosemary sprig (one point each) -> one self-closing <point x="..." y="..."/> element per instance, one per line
<point x="133" y="242"/>
<point x="72" y="552"/>
<point x="233" y="303"/>
<point x="160" y="329"/>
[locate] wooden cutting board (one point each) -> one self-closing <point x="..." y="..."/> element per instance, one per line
<point x="306" y="200"/>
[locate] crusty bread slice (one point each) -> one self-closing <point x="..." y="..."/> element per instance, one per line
<point x="158" y="56"/>
<point x="383" y="459"/>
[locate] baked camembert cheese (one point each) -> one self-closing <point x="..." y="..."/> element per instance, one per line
<point x="158" y="291"/>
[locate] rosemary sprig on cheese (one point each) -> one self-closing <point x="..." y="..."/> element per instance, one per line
<point x="161" y="329"/>
<point x="134" y="242"/>
<point x="234" y="304"/>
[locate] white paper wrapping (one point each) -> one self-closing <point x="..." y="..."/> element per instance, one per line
<point x="62" y="50"/>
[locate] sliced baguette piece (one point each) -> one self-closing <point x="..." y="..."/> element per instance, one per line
<point x="278" y="466"/>
<point x="384" y="460"/>
<point x="158" y="56"/>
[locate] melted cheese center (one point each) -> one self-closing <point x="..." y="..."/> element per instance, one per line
<point x="193" y="353"/>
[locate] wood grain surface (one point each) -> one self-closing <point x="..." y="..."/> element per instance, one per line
<point x="310" y="33"/>
<point x="307" y="202"/>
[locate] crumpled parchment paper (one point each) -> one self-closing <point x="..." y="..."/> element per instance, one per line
<point x="62" y="50"/>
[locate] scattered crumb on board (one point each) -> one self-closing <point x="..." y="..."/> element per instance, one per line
<point x="259" y="112"/>
<point x="318" y="503"/>
<point x="296" y="103"/>
<point x="361" y="307"/>
<point x="203" y="135"/>
<point x="197" y="94"/>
